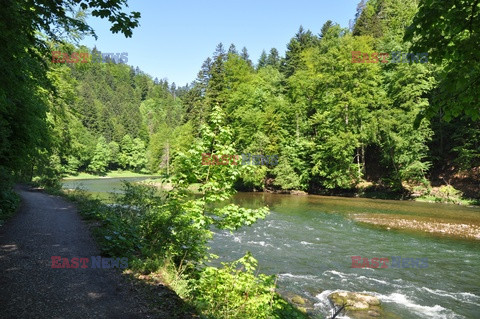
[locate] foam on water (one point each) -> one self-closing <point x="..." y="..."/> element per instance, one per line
<point x="334" y="272"/>
<point x="289" y="275"/>
<point x="353" y="276"/>
<point x="260" y="243"/>
<point x="325" y="304"/>
<point x="434" y="312"/>
<point x="373" y="279"/>
<point x="460" y="296"/>
<point x="306" y="243"/>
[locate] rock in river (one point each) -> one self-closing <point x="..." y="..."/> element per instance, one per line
<point x="360" y="303"/>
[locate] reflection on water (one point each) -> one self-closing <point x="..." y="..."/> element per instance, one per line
<point x="103" y="188"/>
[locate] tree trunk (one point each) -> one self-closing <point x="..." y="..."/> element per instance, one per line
<point x="168" y="159"/>
<point x="363" y="159"/>
<point x="346" y="114"/>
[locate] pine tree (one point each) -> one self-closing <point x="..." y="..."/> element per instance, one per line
<point x="262" y="61"/>
<point x="273" y="58"/>
<point x="216" y="83"/>
<point x="301" y="41"/>
<point x="327" y="25"/>
<point x="232" y="49"/>
<point x="245" y="55"/>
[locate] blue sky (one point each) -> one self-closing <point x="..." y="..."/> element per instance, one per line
<point x="175" y="37"/>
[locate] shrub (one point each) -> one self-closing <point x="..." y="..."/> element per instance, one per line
<point x="9" y="201"/>
<point x="234" y="291"/>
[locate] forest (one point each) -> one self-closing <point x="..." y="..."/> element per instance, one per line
<point x="335" y="125"/>
<point x="387" y="107"/>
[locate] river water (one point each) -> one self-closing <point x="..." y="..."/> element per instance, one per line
<point x="308" y="241"/>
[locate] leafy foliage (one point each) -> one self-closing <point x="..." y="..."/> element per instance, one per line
<point x="448" y="30"/>
<point x="235" y="291"/>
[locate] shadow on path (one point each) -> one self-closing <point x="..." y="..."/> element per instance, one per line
<point x="47" y="226"/>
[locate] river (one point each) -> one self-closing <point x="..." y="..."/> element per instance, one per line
<point x="308" y="241"/>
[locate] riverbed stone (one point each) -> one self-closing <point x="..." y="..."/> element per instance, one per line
<point x="298" y="300"/>
<point x="374" y="313"/>
<point x="355" y="301"/>
<point x="302" y="309"/>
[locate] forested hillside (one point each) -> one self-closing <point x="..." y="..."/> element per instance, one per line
<point x="386" y="108"/>
<point x="334" y="124"/>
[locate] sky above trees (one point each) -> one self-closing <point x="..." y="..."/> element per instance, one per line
<point x="175" y="37"/>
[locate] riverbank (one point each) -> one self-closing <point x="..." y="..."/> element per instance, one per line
<point x="121" y="231"/>
<point x="445" y="225"/>
<point x="308" y="240"/>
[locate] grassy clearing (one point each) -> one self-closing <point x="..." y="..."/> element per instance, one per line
<point x="111" y="174"/>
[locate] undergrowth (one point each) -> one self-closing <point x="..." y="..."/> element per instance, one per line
<point x="143" y="227"/>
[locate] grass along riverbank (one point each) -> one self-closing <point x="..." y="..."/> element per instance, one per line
<point x="111" y="174"/>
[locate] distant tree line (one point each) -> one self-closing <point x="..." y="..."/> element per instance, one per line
<point x="335" y="124"/>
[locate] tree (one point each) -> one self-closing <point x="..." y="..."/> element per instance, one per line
<point x="368" y="18"/>
<point x="193" y="218"/>
<point x="25" y="89"/>
<point x="114" y="149"/>
<point x="448" y="31"/>
<point x="138" y="159"/>
<point x="101" y="157"/>
<point x="204" y="76"/>
<point x="126" y="151"/>
<point x="301" y="41"/>
<point x="232" y="49"/>
<point x="338" y="98"/>
<point x="173" y="90"/>
<point x="216" y="81"/>
<point x="262" y="61"/>
<point x="286" y="177"/>
<point x="245" y="56"/>
<point x="273" y="58"/>
<point x="360" y="7"/>
<point x="327" y="25"/>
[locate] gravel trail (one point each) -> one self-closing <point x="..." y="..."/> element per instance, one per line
<point x="47" y="226"/>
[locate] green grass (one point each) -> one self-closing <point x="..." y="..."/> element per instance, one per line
<point x="158" y="182"/>
<point x="458" y="201"/>
<point x="111" y="174"/>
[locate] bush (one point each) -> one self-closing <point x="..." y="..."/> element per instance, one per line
<point x="9" y="201"/>
<point x="234" y="292"/>
<point x="119" y="234"/>
<point x="163" y="237"/>
<point x="448" y="193"/>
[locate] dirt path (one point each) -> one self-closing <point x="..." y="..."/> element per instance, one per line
<point x="47" y="226"/>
